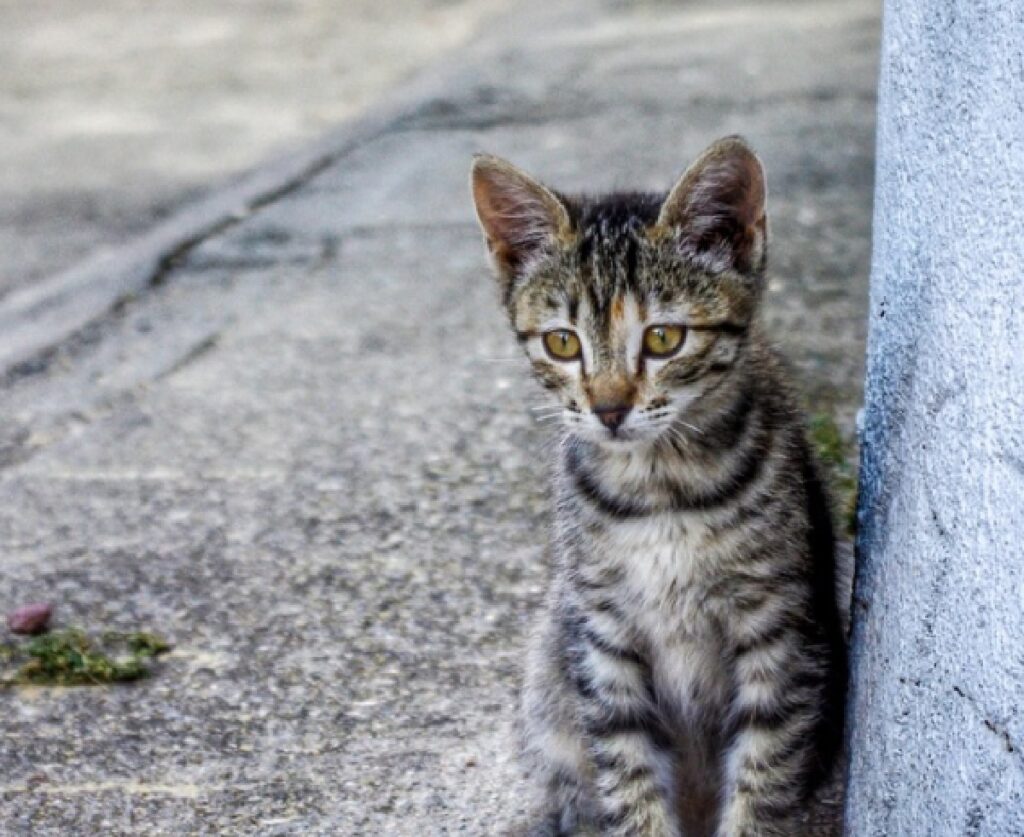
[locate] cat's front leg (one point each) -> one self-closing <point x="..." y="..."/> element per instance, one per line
<point x="772" y="742"/>
<point x="553" y="743"/>
<point x="629" y="755"/>
<point x="631" y="799"/>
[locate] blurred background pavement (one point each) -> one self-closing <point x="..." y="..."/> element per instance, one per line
<point x="114" y="114"/>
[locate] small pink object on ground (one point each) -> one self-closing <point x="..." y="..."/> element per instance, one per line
<point x="30" y="619"/>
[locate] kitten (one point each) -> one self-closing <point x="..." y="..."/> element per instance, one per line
<point x="688" y="673"/>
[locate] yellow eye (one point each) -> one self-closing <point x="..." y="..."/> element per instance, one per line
<point x="663" y="340"/>
<point x="562" y="344"/>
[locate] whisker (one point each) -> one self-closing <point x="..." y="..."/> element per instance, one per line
<point x="676" y="434"/>
<point x="689" y="426"/>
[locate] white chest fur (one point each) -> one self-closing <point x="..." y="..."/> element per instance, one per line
<point x="667" y="572"/>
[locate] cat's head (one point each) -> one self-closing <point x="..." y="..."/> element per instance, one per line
<point x="632" y="308"/>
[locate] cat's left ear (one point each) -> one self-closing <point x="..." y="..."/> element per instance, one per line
<point x="717" y="209"/>
<point x="521" y="218"/>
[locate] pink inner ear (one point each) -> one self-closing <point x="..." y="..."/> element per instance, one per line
<point x="518" y="215"/>
<point x="718" y="209"/>
<point x="509" y="214"/>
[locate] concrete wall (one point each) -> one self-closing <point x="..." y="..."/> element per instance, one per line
<point x="937" y="735"/>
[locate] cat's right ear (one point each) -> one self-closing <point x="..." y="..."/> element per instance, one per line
<point x="521" y="219"/>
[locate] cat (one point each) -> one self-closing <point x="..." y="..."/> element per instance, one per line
<point x="688" y="673"/>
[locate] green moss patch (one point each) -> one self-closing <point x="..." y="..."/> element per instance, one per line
<point x="70" y="657"/>
<point x="837" y="455"/>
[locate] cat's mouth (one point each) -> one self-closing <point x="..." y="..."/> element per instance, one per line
<point x="620" y="437"/>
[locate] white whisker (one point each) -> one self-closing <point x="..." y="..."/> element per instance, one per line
<point x="676" y="434"/>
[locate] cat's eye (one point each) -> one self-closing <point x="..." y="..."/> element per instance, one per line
<point x="663" y="340"/>
<point x="562" y="344"/>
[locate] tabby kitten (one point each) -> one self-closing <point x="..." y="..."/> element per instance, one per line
<point x="688" y="673"/>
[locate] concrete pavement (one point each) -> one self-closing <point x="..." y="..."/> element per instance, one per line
<point x="305" y="453"/>
<point x="115" y="115"/>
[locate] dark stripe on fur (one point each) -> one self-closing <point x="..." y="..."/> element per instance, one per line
<point x="733" y="329"/>
<point x="751" y="463"/>
<point x="750" y="468"/>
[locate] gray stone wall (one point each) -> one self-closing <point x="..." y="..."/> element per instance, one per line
<point x="937" y="727"/>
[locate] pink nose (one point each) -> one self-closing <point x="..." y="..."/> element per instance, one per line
<point x="612" y="417"/>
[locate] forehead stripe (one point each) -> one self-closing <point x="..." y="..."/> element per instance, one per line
<point x="631" y="256"/>
<point x="618" y="308"/>
<point x="574" y="307"/>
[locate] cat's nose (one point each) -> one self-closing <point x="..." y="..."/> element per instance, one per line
<point x="612" y="417"/>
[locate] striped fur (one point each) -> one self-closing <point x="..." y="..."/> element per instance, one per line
<point x="688" y="673"/>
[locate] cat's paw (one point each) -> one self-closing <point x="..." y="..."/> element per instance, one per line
<point x="653" y="821"/>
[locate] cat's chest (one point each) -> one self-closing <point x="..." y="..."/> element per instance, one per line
<point x="666" y="573"/>
<point x="663" y="568"/>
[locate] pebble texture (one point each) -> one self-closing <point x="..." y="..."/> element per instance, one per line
<point x="306" y="454"/>
<point x="938" y="723"/>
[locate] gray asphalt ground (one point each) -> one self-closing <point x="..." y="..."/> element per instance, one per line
<point x="115" y="113"/>
<point x="305" y="454"/>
